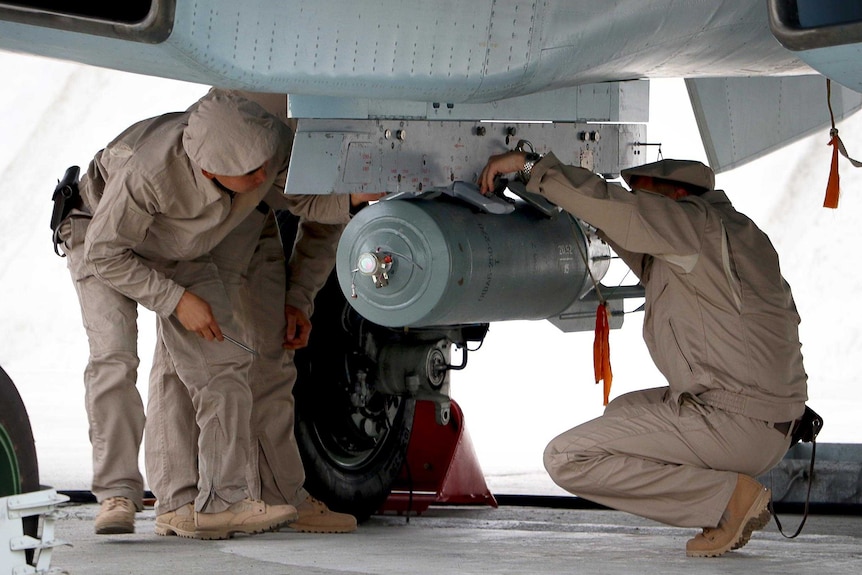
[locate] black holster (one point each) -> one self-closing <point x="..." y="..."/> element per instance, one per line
<point x="66" y="198"/>
<point x="807" y="428"/>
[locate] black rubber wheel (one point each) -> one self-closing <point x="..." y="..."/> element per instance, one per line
<point x="353" y="441"/>
<point x="19" y="469"/>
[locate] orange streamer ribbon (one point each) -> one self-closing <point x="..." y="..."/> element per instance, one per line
<point x="602" y="350"/>
<point x="832" y="188"/>
<point x="832" y="191"/>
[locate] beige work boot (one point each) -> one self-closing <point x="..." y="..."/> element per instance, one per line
<point x="316" y="517"/>
<point x="747" y="511"/>
<point x="246" y="516"/>
<point x="116" y="515"/>
<point x="179" y="522"/>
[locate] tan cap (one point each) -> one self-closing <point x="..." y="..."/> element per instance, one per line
<point x="228" y="135"/>
<point x="687" y="171"/>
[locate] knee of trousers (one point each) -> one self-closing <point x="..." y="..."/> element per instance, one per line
<point x="565" y="466"/>
<point x="553" y="460"/>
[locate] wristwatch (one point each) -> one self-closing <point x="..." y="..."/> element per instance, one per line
<point x="529" y="161"/>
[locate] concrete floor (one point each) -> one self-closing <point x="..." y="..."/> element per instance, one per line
<point x="461" y="540"/>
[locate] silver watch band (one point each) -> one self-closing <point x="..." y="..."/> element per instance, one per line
<point x="529" y="162"/>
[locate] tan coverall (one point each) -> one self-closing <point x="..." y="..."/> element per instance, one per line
<point x="258" y="294"/>
<point x="255" y="277"/>
<point x="721" y="326"/>
<point x="155" y="219"/>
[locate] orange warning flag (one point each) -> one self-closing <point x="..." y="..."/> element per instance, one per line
<point x="831" y="200"/>
<point x="602" y="350"/>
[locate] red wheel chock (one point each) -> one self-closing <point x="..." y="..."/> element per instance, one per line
<point x="440" y="467"/>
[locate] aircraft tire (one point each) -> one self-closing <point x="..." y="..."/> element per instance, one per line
<point x="19" y="469"/>
<point x="347" y="467"/>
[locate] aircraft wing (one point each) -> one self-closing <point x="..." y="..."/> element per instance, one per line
<point x="742" y="119"/>
<point x="439" y="50"/>
<point x="741" y="58"/>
